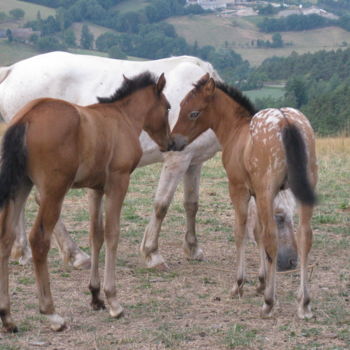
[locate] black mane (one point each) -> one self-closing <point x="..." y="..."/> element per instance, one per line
<point x="129" y="86"/>
<point x="234" y="93"/>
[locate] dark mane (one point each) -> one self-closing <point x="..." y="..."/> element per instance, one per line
<point x="234" y="93"/>
<point x="129" y="86"/>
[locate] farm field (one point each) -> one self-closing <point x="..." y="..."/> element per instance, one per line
<point x="188" y="307"/>
<point x="131" y="5"/>
<point x="31" y="10"/>
<point x="238" y="33"/>
<point x="266" y="91"/>
<point x="11" y="53"/>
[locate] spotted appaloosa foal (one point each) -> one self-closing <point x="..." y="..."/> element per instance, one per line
<point x="262" y="154"/>
<point x="56" y="145"/>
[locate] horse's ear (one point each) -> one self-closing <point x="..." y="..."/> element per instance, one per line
<point x="209" y="87"/>
<point x="161" y="83"/>
<point x="125" y="78"/>
<point x="203" y="80"/>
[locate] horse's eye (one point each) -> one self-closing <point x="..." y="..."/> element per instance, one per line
<point x="194" y="115"/>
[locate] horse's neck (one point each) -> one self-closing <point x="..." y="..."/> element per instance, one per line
<point x="135" y="108"/>
<point x="230" y="119"/>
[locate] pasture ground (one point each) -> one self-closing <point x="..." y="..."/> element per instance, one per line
<point x="239" y="32"/>
<point x="188" y="307"/>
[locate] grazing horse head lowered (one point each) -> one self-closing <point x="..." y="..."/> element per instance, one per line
<point x="56" y="145"/>
<point x="262" y="153"/>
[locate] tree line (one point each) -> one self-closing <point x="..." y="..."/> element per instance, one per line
<point x="318" y="84"/>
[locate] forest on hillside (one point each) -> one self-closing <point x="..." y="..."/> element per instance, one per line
<point x="315" y="83"/>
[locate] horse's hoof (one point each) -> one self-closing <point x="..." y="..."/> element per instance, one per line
<point x="305" y="313"/>
<point x="260" y="289"/>
<point x="11" y="328"/>
<point x="25" y="260"/>
<point x="236" y="291"/>
<point x="98" y="305"/>
<point x="156" y="261"/>
<point x="267" y="311"/>
<point x="57" y="322"/>
<point x="194" y="254"/>
<point x="81" y="261"/>
<point x="117" y="311"/>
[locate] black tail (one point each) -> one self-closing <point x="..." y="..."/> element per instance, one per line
<point x="297" y="165"/>
<point x="13" y="162"/>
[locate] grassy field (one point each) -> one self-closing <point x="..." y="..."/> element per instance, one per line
<point x="275" y="92"/>
<point x="30" y="9"/>
<point x="131" y="5"/>
<point x="11" y="53"/>
<point x="188" y="307"/>
<point x="238" y="34"/>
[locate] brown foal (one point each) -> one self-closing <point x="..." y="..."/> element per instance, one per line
<point x="56" y="145"/>
<point x="262" y="154"/>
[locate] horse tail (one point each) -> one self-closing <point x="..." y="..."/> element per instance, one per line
<point x="13" y="162"/>
<point x="297" y="159"/>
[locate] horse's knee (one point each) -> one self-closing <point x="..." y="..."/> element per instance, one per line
<point x="161" y="209"/>
<point x="191" y="208"/>
<point x="40" y="247"/>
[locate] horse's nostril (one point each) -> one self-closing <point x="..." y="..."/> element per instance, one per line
<point x="293" y="263"/>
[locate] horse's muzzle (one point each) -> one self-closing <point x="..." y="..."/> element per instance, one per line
<point x="178" y="143"/>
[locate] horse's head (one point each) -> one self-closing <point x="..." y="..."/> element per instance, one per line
<point x="156" y="122"/>
<point x="287" y="257"/>
<point x="194" y="115"/>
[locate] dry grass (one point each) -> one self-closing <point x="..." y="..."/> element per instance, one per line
<point x="189" y="307"/>
<point x="333" y="145"/>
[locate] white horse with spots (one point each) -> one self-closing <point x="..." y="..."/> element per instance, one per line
<point x="80" y="79"/>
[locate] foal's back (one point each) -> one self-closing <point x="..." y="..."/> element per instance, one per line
<point x="80" y="143"/>
<point x="267" y="153"/>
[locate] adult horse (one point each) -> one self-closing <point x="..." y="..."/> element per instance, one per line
<point x="262" y="154"/>
<point x="79" y="79"/>
<point x="56" y="145"/>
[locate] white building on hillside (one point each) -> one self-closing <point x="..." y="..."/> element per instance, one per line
<point x="211" y="4"/>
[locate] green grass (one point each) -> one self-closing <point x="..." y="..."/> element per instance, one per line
<point x="238" y="33"/>
<point x="131" y="5"/>
<point x="11" y="53"/>
<point x="239" y="336"/>
<point x="30" y="9"/>
<point x="267" y="91"/>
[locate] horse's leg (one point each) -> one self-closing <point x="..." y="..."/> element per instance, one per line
<point x="240" y="198"/>
<point x="269" y="241"/>
<point x="21" y="249"/>
<point x="118" y="187"/>
<point x="262" y="269"/>
<point x="39" y="238"/>
<point x="9" y="217"/>
<point x="69" y="249"/>
<point x="304" y="242"/>
<point x="173" y="170"/>
<point x="96" y="241"/>
<point x="191" y="194"/>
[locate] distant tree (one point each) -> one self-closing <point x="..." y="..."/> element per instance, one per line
<point x="116" y="52"/>
<point x="50" y="43"/>
<point x="34" y="39"/>
<point x="17" y="13"/>
<point x="9" y="35"/>
<point x="69" y="38"/>
<point x="87" y="38"/>
<point x="3" y="16"/>
<point x="277" y="40"/>
<point x="296" y="92"/>
<point x="106" y="40"/>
